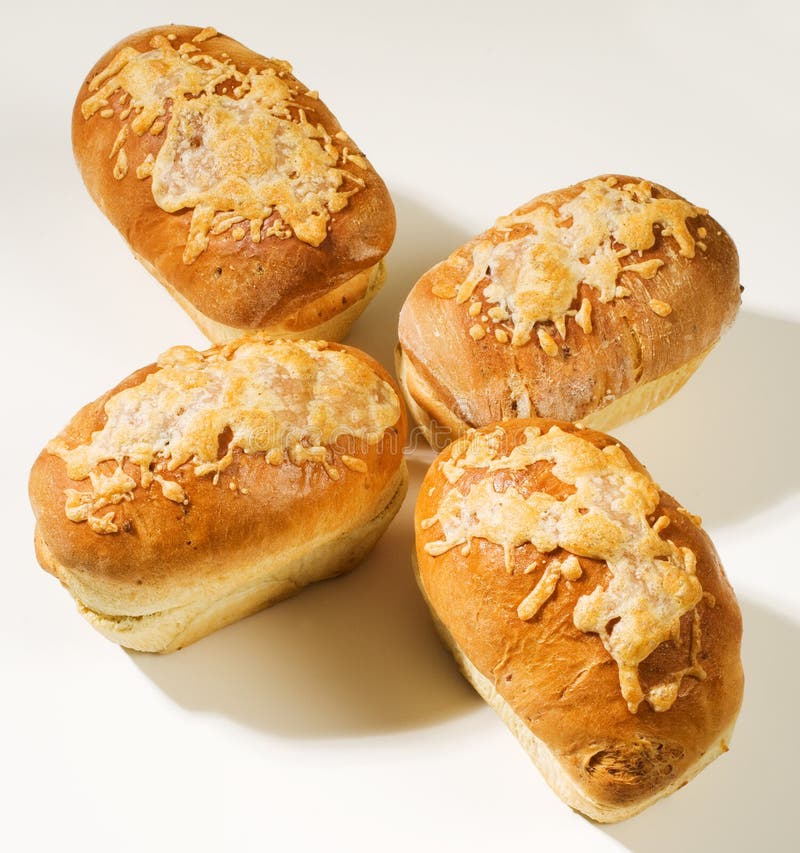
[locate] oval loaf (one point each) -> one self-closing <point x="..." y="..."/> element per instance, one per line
<point x="233" y="184"/>
<point x="212" y="484"/>
<point x="586" y="606"/>
<point x="593" y="303"/>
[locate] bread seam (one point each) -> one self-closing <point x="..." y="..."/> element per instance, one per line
<point x="153" y="632"/>
<point x="643" y="398"/>
<point x="440" y="418"/>
<point x="334" y="328"/>
<point x="430" y="413"/>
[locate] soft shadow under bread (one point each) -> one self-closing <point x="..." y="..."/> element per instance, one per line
<point x="722" y="443"/>
<point x="745" y="800"/>
<point x="354" y="656"/>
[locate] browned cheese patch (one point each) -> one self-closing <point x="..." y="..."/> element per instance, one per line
<point x="653" y="581"/>
<point x="287" y="399"/>
<point x="251" y="152"/>
<point x="531" y="266"/>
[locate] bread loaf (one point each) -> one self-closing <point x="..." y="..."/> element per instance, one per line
<point x="593" y="303"/>
<point x="233" y="184"/>
<point x="586" y="606"/>
<point x="212" y="484"/>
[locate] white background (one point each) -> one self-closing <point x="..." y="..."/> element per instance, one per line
<point x="336" y="721"/>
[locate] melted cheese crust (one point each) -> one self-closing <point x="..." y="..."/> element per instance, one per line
<point x="286" y="399"/>
<point x="236" y="147"/>
<point x="653" y="582"/>
<point x="531" y="267"/>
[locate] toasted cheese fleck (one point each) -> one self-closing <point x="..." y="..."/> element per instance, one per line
<point x="546" y="586"/>
<point x="204" y="34"/>
<point x="121" y="165"/>
<point x="695" y="519"/>
<point x="530" y="267"/>
<point x="663" y="309"/>
<point x="243" y="153"/>
<point x="653" y="582"/>
<point x="547" y="342"/>
<point x="122" y="137"/>
<point x="288" y="400"/>
<point x="354" y="463"/>
<point x="145" y="168"/>
<point x="646" y="269"/>
<point x="583" y="316"/>
<point x="477" y="332"/>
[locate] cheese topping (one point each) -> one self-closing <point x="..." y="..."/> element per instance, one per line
<point x="240" y="154"/>
<point x="285" y="399"/>
<point x="533" y="265"/>
<point x="653" y="582"/>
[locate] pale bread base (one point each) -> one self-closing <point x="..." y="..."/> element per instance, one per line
<point x="440" y="425"/>
<point x="321" y="319"/>
<point x="546" y="762"/>
<point x="244" y="589"/>
<point x="644" y="398"/>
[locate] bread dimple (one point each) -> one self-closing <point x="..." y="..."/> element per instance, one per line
<point x="227" y="175"/>
<point x="577" y="298"/>
<point x="568" y="685"/>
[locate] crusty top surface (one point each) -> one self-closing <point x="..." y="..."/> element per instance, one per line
<point x="227" y="174"/>
<point x="593" y="602"/>
<point x="571" y="301"/>
<point x="203" y="456"/>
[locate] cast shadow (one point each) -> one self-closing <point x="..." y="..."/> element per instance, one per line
<point x="349" y="657"/>
<point x="423" y="239"/>
<point x="357" y="655"/>
<point x="720" y="444"/>
<point x="745" y="800"/>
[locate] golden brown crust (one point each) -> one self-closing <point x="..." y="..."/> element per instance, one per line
<point x="164" y="552"/>
<point x="328" y="318"/>
<point x="560" y="681"/>
<point x="439" y="424"/>
<point x="236" y="282"/>
<point x="629" y="343"/>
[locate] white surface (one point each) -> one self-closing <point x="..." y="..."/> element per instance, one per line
<point x="336" y="721"/>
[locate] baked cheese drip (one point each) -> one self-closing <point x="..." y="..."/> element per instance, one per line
<point x="280" y="398"/>
<point x="653" y="582"/>
<point x="532" y="278"/>
<point x="233" y="150"/>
